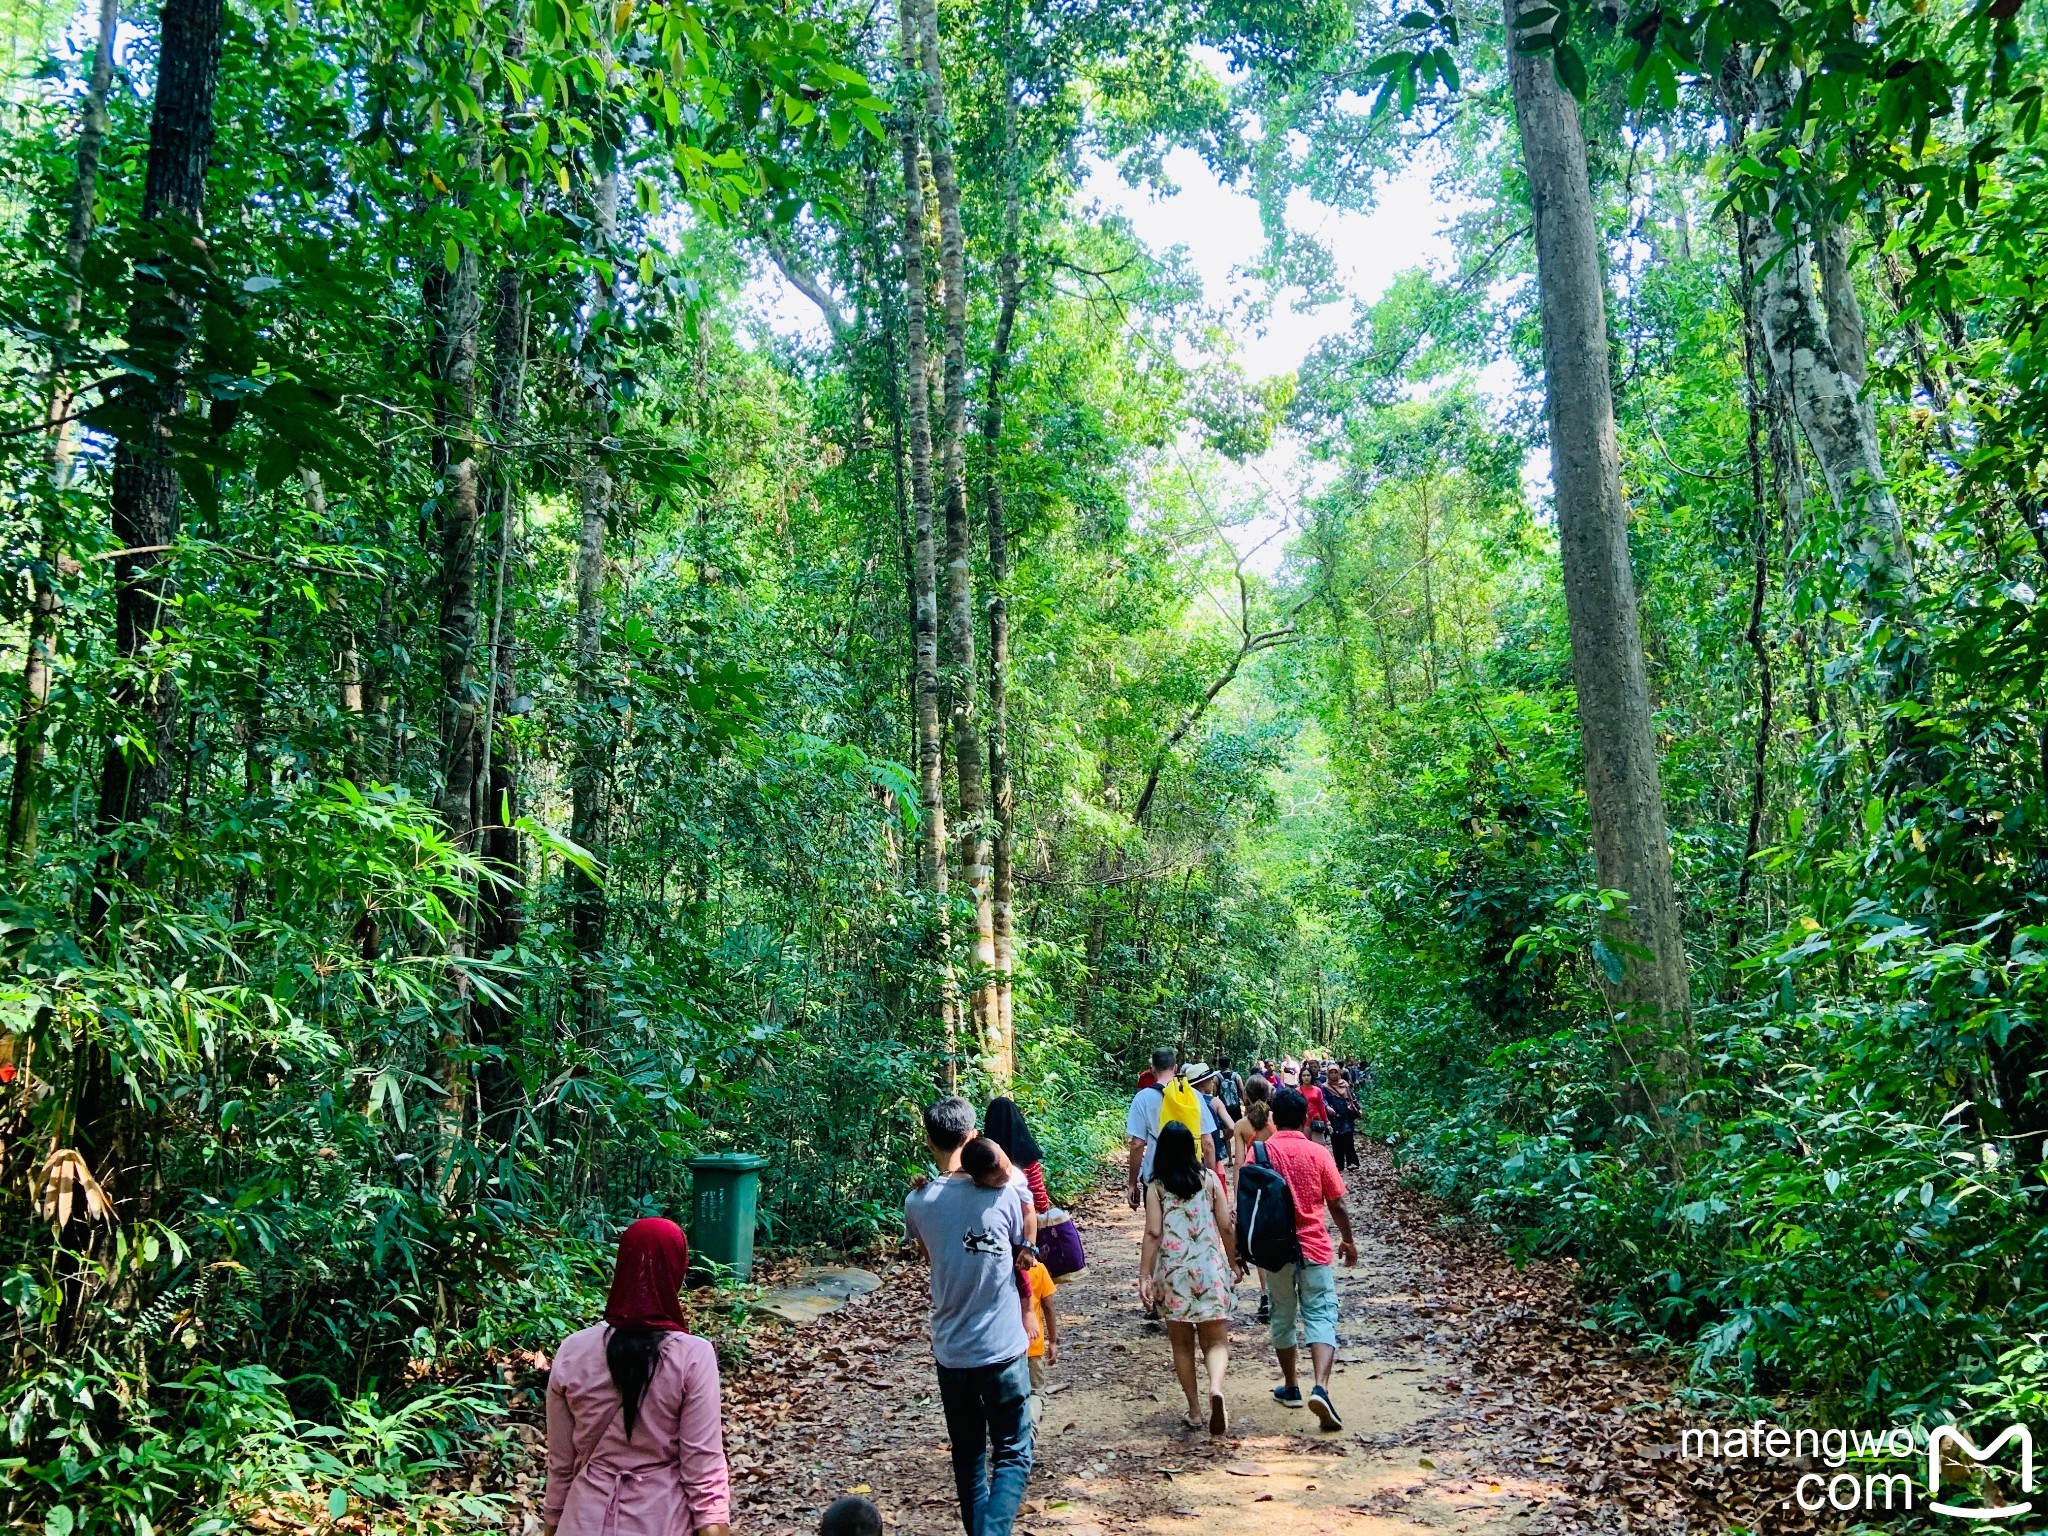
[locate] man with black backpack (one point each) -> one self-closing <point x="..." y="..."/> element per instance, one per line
<point x="1283" y="1191"/>
<point x="1229" y="1087"/>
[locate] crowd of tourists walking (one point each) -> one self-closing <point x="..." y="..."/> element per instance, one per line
<point x="1236" y="1176"/>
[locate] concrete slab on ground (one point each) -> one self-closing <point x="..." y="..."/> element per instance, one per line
<point x="817" y="1292"/>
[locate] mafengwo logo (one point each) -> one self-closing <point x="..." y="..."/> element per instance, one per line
<point x="1948" y="1435"/>
<point x="1857" y="1482"/>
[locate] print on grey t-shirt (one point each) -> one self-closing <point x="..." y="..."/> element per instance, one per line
<point x="971" y="1233"/>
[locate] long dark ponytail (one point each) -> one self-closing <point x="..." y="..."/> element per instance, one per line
<point x="630" y="1354"/>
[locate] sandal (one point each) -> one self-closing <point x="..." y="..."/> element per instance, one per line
<point x="1193" y="1420"/>
<point x="1219" y="1421"/>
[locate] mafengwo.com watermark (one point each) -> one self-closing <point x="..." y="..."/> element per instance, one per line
<point x="1988" y="1476"/>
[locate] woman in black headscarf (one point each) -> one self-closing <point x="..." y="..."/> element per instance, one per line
<point x="1003" y="1124"/>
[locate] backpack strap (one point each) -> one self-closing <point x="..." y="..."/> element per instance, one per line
<point x="583" y="1462"/>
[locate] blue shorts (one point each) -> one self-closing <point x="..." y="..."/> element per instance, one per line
<point x="1304" y="1305"/>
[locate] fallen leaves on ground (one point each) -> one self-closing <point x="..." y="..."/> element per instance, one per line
<point x="1545" y="1395"/>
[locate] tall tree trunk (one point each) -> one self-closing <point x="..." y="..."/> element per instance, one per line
<point x="1003" y="790"/>
<point x="1839" y="424"/>
<point x="899" y="486"/>
<point x="454" y="313"/>
<point x="1846" y="332"/>
<point x="454" y="303"/>
<point x="1759" y="590"/>
<point x="500" y="911"/>
<point x="143" y="512"/>
<point x="348" y="665"/>
<point x="590" y="773"/>
<point x="962" y="679"/>
<point x="143" y="508"/>
<point x="1781" y="437"/>
<point x="1649" y="987"/>
<point x="931" y="751"/>
<point x="1816" y="348"/>
<point x="1788" y="495"/>
<point x="24" y="820"/>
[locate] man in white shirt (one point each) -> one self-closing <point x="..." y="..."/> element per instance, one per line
<point x="1141" y="1125"/>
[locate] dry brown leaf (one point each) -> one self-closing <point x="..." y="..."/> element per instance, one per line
<point x="64" y="1185"/>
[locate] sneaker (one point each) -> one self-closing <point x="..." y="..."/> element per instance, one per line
<point x="1287" y="1397"/>
<point x="1325" y="1411"/>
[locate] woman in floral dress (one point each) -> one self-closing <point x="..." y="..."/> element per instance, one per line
<point x="1189" y="1254"/>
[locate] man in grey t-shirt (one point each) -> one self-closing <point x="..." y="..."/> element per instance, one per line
<point x="972" y="1237"/>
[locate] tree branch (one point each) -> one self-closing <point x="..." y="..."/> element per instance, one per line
<point x="804" y="283"/>
<point x="1248" y="645"/>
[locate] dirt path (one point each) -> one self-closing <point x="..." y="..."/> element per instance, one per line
<point x="1473" y="1403"/>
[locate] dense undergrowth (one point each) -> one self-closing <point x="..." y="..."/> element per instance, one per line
<point x="481" y="786"/>
<point x="1856" y="1252"/>
<point x="1839" y="1215"/>
<point x="223" y="1399"/>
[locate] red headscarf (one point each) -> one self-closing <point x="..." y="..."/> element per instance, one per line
<point x="654" y="1258"/>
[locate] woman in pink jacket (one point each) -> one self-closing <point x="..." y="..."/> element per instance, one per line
<point x="635" y="1444"/>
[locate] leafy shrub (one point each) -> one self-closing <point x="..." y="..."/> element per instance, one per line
<point x="1854" y="1236"/>
<point x="88" y="1454"/>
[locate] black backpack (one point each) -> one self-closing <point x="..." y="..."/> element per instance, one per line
<point x="1265" y="1213"/>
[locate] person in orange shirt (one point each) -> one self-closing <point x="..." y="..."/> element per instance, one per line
<point x="1045" y="1335"/>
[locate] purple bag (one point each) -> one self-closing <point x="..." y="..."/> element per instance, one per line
<point x="1060" y="1251"/>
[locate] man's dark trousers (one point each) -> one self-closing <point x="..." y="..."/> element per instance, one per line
<point x="988" y="1418"/>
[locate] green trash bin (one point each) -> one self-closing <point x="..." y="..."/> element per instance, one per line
<point x="725" y="1192"/>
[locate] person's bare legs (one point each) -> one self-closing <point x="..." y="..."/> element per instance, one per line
<point x="1182" y="1337"/>
<point x="1215" y="1338"/>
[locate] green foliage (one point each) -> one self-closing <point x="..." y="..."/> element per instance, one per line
<point x="371" y="1078"/>
<point x="217" y="1444"/>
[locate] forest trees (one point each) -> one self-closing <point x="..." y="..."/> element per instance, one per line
<point x="467" y="661"/>
<point x="1819" y="378"/>
<point x="933" y="853"/>
<point x="496" y="716"/>
<point x="136" y="779"/>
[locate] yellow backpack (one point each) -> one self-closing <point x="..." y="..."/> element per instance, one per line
<point x="1177" y="1101"/>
